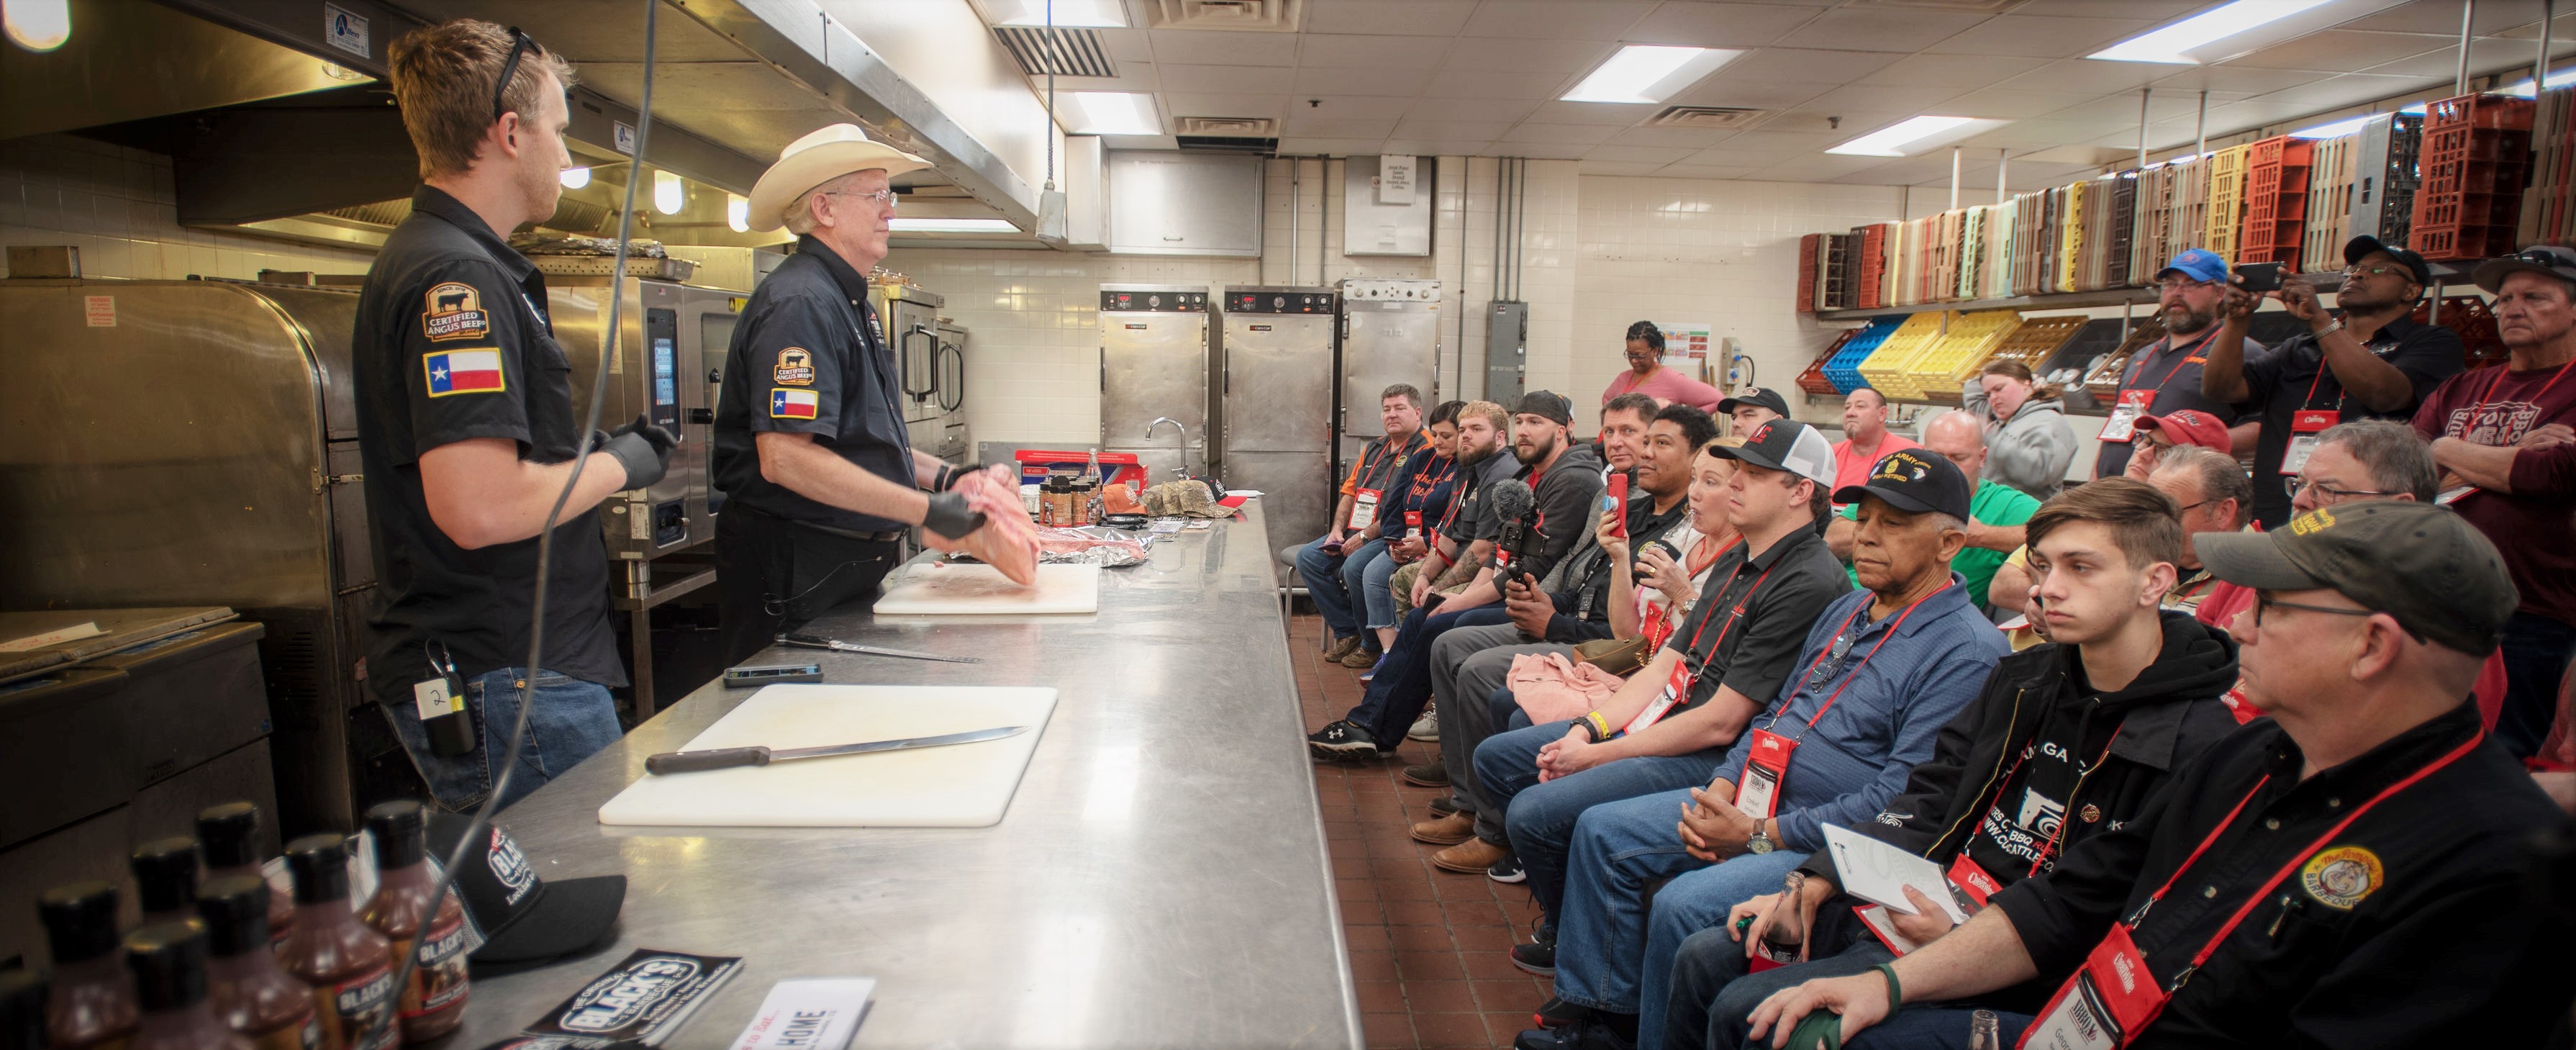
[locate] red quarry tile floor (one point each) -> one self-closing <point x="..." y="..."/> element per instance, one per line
<point x="1429" y="948"/>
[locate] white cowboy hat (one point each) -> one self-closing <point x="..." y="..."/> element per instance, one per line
<point x="820" y="157"/>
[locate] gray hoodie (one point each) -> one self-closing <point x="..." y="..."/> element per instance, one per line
<point x="2030" y="451"/>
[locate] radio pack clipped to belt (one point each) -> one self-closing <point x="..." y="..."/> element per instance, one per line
<point x="440" y="702"/>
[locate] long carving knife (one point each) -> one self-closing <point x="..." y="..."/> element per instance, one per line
<point x="813" y="641"/>
<point x="734" y="757"/>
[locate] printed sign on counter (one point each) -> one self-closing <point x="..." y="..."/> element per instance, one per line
<point x="816" y="1013"/>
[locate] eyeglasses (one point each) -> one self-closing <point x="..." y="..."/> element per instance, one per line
<point x="883" y="197"/>
<point x="2187" y="508"/>
<point x="2374" y="271"/>
<point x="2262" y="602"/>
<point x="520" y="44"/>
<point x="2176" y="283"/>
<point x="2302" y="484"/>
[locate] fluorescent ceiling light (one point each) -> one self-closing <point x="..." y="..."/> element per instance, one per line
<point x="2340" y="127"/>
<point x="737" y="213"/>
<point x="1069" y="14"/>
<point x="1891" y="141"/>
<point x="38" y="25"/>
<point x="2171" y="43"/>
<point x="1646" y="74"/>
<point x="903" y="225"/>
<point x="668" y="195"/>
<point x="574" y="178"/>
<point x="2557" y="78"/>
<point x="1113" y="113"/>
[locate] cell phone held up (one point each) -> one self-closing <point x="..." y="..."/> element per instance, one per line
<point x="2259" y="278"/>
<point x="1614" y="498"/>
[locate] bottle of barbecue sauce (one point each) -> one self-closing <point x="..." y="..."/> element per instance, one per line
<point x="348" y="964"/>
<point x="434" y="1004"/>
<point x="93" y="1000"/>
<point x="251" y="994"/>
<point x="229" y="836"/>
<point x="169" y="965"/>
<point x="165" y="880"/>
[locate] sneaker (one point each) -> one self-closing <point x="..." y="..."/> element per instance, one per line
<point x="1341" y="740"/>
<point x="1557" y="1013"/>
<point x="1445" y="831"/>
<point x="1427" y="727"/>
<point x="1591" y="1033"/>
<point x="1507" y="871"/>
<point x="1538" y="956"/>
<point x="1470" y="857"/>
<point x="1342" y="647"/>
<point x="1363" y="657"/>
<point x="1428" y="774"/>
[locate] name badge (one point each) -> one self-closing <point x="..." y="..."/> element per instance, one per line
<point x="1758" y="796"/>
<point x="2305" y="425"/>
<point x="2104" y="1005"/>
<point x="1364" y="509"/>
<point x="2123" y="423"/>
<point x="1971" y="878"/>
<point x="1413" y="524"/>
<point x="1675" y="688"/>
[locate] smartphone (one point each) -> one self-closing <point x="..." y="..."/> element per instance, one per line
<point x="1613" y="498"/>
<point x="2259" y="277"/>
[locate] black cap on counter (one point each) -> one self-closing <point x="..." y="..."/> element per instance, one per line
<point x="229" y="835"/>
<point x="526" y="921"/>
<point x="80" y="920"/>
<point x="320" y="864"/>
<point x="165" y="874"/>
<point x="235" y="911"/>
<point x="169" y="964"/>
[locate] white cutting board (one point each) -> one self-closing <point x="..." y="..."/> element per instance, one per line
<point x="959" y="786"/>
<point x="942" y="588"/>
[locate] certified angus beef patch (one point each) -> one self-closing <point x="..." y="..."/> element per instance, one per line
<point x="454" y="310"/>
<point x="646" y="998"/>
<point x="795" y="367"/>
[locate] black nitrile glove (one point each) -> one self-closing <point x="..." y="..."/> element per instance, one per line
<point x="949" y="517"/>
<point x="643" y="449"/>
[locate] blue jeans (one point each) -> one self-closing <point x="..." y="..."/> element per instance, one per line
<point x="1333" y="581"/>
<point x="2536" y="652"/>
<point x="1932" y="1026"/>
<point x="572" y="720"/>
<point x="1712" y="979"/>
<point x="1374" y="577"/>
<point x="1695" y="902"/>
<point x="1403" y="683"/>
<point x="1539" y="818"/>
<point x="1619" y="848"/>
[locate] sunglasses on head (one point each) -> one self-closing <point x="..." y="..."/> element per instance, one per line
<point x="520" y="44"/>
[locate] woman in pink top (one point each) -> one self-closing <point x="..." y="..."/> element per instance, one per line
<point x="1647" y="375"/>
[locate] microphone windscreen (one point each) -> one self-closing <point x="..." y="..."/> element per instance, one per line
<point x="1511" y="499"/>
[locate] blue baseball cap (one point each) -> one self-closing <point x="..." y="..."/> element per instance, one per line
<point x="2199" y="264"/>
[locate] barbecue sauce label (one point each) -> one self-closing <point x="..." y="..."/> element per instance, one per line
<point x="439" y="981"/>
<point x="348" y="1008"/>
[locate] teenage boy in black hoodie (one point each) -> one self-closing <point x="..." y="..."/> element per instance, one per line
<point x="2067" y="741"/>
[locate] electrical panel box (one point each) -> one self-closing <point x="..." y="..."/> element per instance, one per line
<point x="1506" y="351"/>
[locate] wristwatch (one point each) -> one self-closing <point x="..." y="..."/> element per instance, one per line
<point x="2328" y="330"/>
<point x="1760" y="843"/>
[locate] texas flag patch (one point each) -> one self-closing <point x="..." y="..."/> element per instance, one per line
<point x="793" y="404"/>
<point x="463" y="372"/>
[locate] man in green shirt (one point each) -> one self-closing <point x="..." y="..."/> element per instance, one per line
<point x="1998" y="510"/>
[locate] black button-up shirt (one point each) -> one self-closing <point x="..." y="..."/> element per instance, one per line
<point x="810" y="357"/>
<point x="452" y="343"/>
<point x="2288" y="380"/>
<point x="2408" y="928"/>
<point x="1783" y="590"/>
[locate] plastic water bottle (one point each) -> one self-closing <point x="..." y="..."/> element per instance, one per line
<point x="1091" y="471"/>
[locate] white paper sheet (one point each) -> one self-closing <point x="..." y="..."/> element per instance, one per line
<point x="1878" y="873"/>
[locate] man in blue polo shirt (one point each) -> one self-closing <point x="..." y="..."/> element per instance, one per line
<point x="1881" y="672"/>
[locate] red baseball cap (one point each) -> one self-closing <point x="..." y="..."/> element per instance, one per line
<point x="2190" y="427"/>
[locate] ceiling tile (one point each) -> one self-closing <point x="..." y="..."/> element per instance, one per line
<point x="1485" y="130"/>
<point x="2158" y="10"/>
<point x="1802" y="64"/>
<point x="1611" y="167"/>
<point x="1588" y="113"/>
<point x="1350" y="107"/>
<point x="1539" y="150"/>
<point x="1213" y="48"/>
<point x="2035" y="37"/>
<point x="1952" y="71"/>
<point x="2346" y="90"/>
<point x="2443" y="17"/>
<point x="1561" y="134"/>
<point x="1653" y="154"/>
<point x="1999" y="104"/>
<point x="1344" y="127"/>
<point x="1126" y="45"/>
<point x="2484" y="54"/>
<point x="1132" y="76"/>
<point x="1537" y="55"/>
<point x="1365" y="52"/>
<point x="1336" y="147"/>
<point x="1558" y="19"/>
<point x="1750" y="146"/>
<point x="1495" y="83"/>
<point x="2083" y="75"/>
<point x="1503" y="109"/>
<point x="1818" y="166"/>
<point x="1687" y="138"/>
<point x="1878" y="29"/>
<point x="2560" y="28"/>
<point x="2121" y="110"/>
<point x="1407" y="17"/>
<point x="1183" y="104"/>
<point x="1376" y="81"/>
<point x="1705" y="171"/>
<point x="2336" y="50"/>
<point x="2234" y="79"/>
<point x="1881" y="98"/>
<point x="1719" y="25"/>
<point x="1777" y="94"/>
<point x="1227" y="79"/>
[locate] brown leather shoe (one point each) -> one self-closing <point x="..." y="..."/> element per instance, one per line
<point x="1471" y="857"/>
<point x="1428" y="774"/>
<point x="1446" y="831"/>
<point x="1342" y="647"/>
<point x="1361" y="657"/>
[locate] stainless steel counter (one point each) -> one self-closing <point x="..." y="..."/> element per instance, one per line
<point x="1160" y="879"/>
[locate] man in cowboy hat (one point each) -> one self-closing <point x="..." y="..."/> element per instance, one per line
<point x="810" y="449"/>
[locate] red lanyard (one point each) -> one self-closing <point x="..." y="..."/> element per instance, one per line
<point x="1693" y="648"/>
<point x="1856" y="668"/>
<point x="2480" y="407"/>
<point x="2265" y="893"/>
<point x="2132" y="384"/>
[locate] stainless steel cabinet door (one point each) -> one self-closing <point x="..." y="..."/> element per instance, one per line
<point x="1385" y="343"/>
<point x="1152" y="364"/>
<point x="1278" y="383"/>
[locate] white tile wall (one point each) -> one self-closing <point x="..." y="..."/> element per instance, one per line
<point x="118" y="207"/>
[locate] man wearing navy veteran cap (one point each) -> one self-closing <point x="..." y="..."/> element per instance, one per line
<point x="2373" y="362"/>
<point x="2345" y="874"/>
<point x="2165" y="375"/>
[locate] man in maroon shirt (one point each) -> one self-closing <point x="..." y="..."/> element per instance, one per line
<point x="2503" y="440"/>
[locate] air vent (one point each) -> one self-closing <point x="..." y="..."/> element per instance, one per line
<point x="1069" y="53"/>
<point x="1257" y="16"/>
<point x="1227" y="127"/>
<point x="1226" y="144"/>
<point x="1974" y="7"/>
<point x="1724" y="117"/>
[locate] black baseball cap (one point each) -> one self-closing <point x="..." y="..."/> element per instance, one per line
<point x="1914" y="481"/>
<point x="1545" y="403"/>
<point x="1754" y="395"/>
<point x="2420" y="563"/>
<point x="2360" y="247"/>
<point x="523" y="920"/>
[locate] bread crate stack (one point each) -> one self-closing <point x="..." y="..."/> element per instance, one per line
<point x="2070" y="219"/>
<point x="2330" y="188"/>
<point x="2031" y="237"/>
<point x="2476" y="159"/>
<point x="2154" y="224"/>
<point x="2549" y="207"/>
<point x="2276" y="200"/>
<point x="2386" y="173"/>
<point x="2188" y="225"/>
<point x="1995" y="259"/>
<point x="1843" y="368"/>
<point x="2226" y="214"/>
<point x="1936" y="370"/>
<point x="1882" y="369"/>
<point x="1871" y="291"/>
